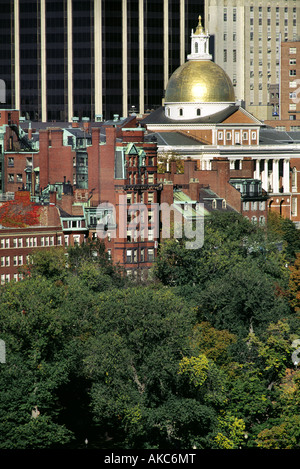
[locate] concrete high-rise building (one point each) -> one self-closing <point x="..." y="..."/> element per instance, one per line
<point x="247" y="37"/>
<point x="60" y="59"/>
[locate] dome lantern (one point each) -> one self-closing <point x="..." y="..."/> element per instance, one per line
<point x="199" y="44"/>
<point x="199" y="87"/>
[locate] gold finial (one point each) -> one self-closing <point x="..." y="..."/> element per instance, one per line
<point x="200" y="29"/>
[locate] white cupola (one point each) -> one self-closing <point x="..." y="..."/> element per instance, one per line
<point x="199" y="44"/>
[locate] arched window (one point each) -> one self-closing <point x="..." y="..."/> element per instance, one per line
<point x="196" y="47"/>
<point x="214" y="204"/>
<point x="181" y="112"/>
<point x="198" y="112"/>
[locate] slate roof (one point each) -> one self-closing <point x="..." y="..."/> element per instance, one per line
<point x="269" y="135"/>
<point x="171" y="138"/>
<point x="158" y="117"/>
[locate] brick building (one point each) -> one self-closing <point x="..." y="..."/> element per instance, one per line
<point x="201" y="119"/>
<point x="19" y="239"/>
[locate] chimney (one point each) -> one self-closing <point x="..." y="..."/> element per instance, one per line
<point x="29" y="131"/>
<point x="75" y="122"/>
<point x="85" y="124"/>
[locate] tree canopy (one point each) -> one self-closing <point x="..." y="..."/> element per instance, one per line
<point x="200" y="356"/>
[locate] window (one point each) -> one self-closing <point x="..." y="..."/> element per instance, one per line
<point x="181" y="112"/>
<point x="198" y="112"/>
<point x="293" y="50"/>
<point x="150" y="178"/>
<point x="19" y="177"/>
<point x="150" y="197"/>
<point x="292" y="61"/>
<point x="292" y="73"/>
<point x="262" y="205"/>
<point x="294" y="206"/>
<point x="225" y="55"/>
<point x="293" y="84"/>
<point x="234" y="55"/>
<point x="128" y="256"/>
<point x="262" y="220"/>
<point x="292" y="107"/>
<point x="11" y="162"/>
<point x="11" y="177"/>
<point x="150" y="254"/>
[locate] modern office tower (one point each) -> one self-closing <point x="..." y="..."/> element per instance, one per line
<point x="290" y="83"/>
<point x="91" y="58"/>
<point x="247" y="38"/>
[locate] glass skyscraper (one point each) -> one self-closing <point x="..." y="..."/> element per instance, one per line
<point x="91" y="58"/>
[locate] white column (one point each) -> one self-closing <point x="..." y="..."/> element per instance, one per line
<point x="275" y="176"/>
<point x="182" y="32"/>
<point x="98" y="56"/>
<point x="70" y="60"/>
<point x="286" y="176"/>
<point x="141" y="57"/>
<point x="124" y="58"/>
<point x="43" y="62"/>
<point x="265" y="176"/>
<point x="256" y="171"/>
<point x="17" y="103"/>
<point x="166" y="43"/>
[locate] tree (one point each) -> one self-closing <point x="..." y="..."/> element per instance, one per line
<point x="294" y="284"/>
<point x="36" y="330"/>
<point x="141" y="334"/>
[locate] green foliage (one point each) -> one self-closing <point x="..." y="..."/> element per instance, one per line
<point x="198" y="358"/>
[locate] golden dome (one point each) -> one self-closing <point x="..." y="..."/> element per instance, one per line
<point x="199" y="81"/>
